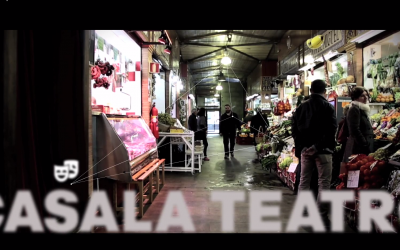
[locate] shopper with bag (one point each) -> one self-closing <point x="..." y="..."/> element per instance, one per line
<point x="258" y="126"/>
<point x="361" y="134"/>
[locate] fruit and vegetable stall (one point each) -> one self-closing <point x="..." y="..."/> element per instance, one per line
<point x="378" y="170"/>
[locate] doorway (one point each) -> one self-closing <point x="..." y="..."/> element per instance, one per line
<point x="213" y="121"/>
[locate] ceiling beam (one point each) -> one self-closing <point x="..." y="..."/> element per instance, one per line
<point x="240" y="52"/>
<point x="269" y="53"/>
<point x="230" y="46"/>
<point x="223" y="70"/>
<point x="219" y="57"/>
<point x="250" y="35"/>
<point x="209" y="53"/>
<point x="205" y="36"/>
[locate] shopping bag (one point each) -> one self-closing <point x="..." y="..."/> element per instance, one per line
<point x="260" y="135"/>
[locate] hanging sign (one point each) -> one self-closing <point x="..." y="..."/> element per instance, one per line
<point x="290" y="64"/>
<point x="333" y="39"/>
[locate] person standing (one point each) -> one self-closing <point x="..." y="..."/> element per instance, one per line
<point x="228" y="124"/>
<point x="192" y="123"/>
<point x="202" y="130"/>
<point x="258" y="121"/>
<point x="361" y="134"/>
<point x="297" y="152"/>
<point x="314" y="126"/>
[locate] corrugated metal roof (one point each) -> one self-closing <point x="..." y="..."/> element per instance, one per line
<point x="204" y="49"/>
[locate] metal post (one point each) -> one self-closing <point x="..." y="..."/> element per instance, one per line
<point x="97" y="184"/>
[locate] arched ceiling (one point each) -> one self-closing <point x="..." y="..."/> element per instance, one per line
<point x="203" y="50"/>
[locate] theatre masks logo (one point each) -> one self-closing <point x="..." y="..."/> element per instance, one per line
<point x="68" y="171"/>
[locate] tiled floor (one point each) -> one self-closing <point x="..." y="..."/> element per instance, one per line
<point x="234" y="174"/>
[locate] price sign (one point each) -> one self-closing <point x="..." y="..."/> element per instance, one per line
<point x="292" y="167"/>
<point x="352" y="179"/>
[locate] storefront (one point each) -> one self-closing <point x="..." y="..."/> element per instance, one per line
<point x="123" y="145"/>
<point x="121" y="91"/>
<point x="381" y="67"/>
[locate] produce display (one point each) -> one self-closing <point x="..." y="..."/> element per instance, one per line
<point x="269" y="161"/>
<point x="386" y="124"/>
<point x="285" y="163"/>
<point x="282" y="130"/>
<point x="166" y="118"/>
<point x="373" y="172"/>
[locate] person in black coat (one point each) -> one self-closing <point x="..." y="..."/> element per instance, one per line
<point x="192" y="123"/>
<point x="228" y="124"/>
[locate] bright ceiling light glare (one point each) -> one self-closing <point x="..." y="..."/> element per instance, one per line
<point x="219" y="87"/>
<point x="226" y="60"/>
<point x="216" y="95"/>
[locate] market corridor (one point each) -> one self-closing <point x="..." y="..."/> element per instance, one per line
<point x="238" y="173"/>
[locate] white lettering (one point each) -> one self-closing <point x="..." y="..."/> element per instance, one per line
<point x="378" y="215"/>
<point x="228" y="200"/>
<point x="257" y="211"/>
<point x="131" y="224"/>
<point x="305" y="200"/>
<point x="68" y="213"/>
<point x="336" y="198"/>
<point x="175" y="199"/>
<point x="23" y="201"/>
<point x="99" y="201"/>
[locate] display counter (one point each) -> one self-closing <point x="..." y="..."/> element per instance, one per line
<point x="122" y="146"/>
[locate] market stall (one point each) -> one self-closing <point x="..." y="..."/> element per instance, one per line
<point x="378" y="170"/>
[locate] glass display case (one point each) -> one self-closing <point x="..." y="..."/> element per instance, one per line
<point x="121" y="146"/>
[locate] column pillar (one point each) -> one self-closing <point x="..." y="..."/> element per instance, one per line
<point x="145" y="84"/>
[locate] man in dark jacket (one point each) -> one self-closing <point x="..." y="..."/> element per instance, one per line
<point x="228" y="123"/>
<point x="192" y="123"/>
<point x="314" y="129"/>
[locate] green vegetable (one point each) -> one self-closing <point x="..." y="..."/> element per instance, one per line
<point x="286" y="162"/>
<point x="268" y="161"/>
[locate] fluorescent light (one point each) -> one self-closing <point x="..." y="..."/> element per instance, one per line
<point x="309" y="59"/>
<point x="367" y="35"/>
<point x="216" y="95"/>
<point x="219" y="87"/>
<point x="307" y="67"/>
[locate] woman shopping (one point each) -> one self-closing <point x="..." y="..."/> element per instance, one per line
<point x="361" y="134"/>
<point x="202" y="130"/>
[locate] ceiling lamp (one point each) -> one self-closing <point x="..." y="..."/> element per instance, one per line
<point x="219" y="87"/>
<point x="162" y="39"/>
<point x="216" y="95"/>
<point x="168" y="49"/>
<point x="221" y="77"/>
<point x="226" y="60"/>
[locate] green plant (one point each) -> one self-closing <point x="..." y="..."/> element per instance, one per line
<point x="340" y="69"/>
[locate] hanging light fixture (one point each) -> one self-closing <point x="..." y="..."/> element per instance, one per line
<point x="226" y="60"/>
<point x="162" y="39"/>
<point x="221" y="77"/>
<point x="216" y="95"/>
<point x="168" y="49"/>
<point x="219" y="87"/>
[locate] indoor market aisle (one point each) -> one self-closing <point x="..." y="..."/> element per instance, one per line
<point x="238" y="173"/>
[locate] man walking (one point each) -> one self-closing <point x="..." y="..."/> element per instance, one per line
<point x="229" y="122"/>
<point x="314" y="127"/>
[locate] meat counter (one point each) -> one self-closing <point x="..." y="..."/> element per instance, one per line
<point x="122" y="146"/>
